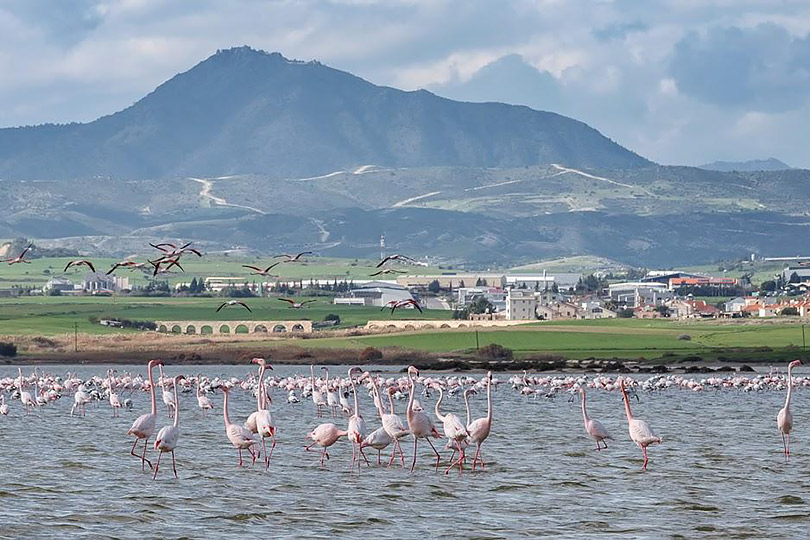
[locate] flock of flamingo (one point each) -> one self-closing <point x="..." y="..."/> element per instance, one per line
<point x="341" y="397"/>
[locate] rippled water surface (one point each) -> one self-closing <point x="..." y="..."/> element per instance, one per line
<point x="719" y="473"/>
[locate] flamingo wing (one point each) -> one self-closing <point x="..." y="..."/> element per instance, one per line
<point x="221" y="306"/>
<point x="288" y="301"/>
<point x="257" y="269"/>
<point x="90" y="265"/>
<point x="244" y="305"/>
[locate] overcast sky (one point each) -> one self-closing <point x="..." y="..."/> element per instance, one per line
<point x="678" y="81"/>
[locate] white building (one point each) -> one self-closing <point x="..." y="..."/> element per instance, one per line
<point x="634" y="294"/>
<point x="521" y="305"/>
<point x="58" y="284"/>
<point x="97" y="282"/>
<point x="497" y="297"/>
<point x="375" y="293"/>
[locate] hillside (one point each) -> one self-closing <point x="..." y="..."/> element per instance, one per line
<point x="243" y="111"/>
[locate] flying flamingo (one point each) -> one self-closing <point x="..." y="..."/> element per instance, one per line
<point x="166" y="440"/>
<point x="402" y="258"/>
<point x="294" y="258"/>
<point x="404" y="303"/>
<point x="640" y="431"/>
<point x="125" y="264"/>
<point x="171" y="247"/>
<point x="234" y="303"/>
<point x="454" y="430"/>
<point x="479" y="429"/>
<point x="241" y="438"/>
<point x="264" y="420"/>
<point x="144" y="426"/>
<point x="784" y="420"/>
<point x="387" y="271"/>
<point x="357" y="425"/>
<point x="297" y="305"/>
<point x="261" y="272"/>
<point x="419" y="423"/>
<point x="325" y="435"/>
<point x="202" y="400"/>
<point x="593" y="428"/>
<point x="21" y="257"/>
<point x="115" y="401"/>
<point x="80" y="262"/>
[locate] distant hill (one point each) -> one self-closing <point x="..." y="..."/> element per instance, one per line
<point x="770" y="164"/>
<point x="245" y="111"/>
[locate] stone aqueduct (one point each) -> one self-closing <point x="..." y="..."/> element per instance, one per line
<point x="418" y="324"/>
<point x="233" y="327"/>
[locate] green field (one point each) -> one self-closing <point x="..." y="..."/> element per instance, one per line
<point x="41" y="270"/>
<point x="56" y="315"/>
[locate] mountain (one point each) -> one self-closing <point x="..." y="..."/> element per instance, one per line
<point x="243" y="111"/>
<point x="770" y="164"/>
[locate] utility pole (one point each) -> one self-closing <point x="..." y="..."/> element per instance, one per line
<point x="75" y="337"/>
<point x="477" y="346"/>
<point x="804" y="343"/>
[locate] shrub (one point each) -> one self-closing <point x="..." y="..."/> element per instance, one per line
<point x="685" y="337"/>
<point x="790" y="310"/>
<point x="370" y="354"/>
<point x="493" y="351"/>
<point x="332" y="317"/>
<point x="625" y="313"/>
<point x="7" y="349"/>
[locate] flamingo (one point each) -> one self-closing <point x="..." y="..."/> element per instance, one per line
<point x="166" y="440"/>
<point x="261" y="272"/>
<point x="125" y="264"/>
<point x="80" y="399"/>
<point x="332" y="399"/>
<point x="294" y="258"/>
<point x="144" y="426"/>
<point x="356" y="431"/>
<point x="325" y="435"/>
<point x="379" y="439"/>
<point x="115" y="401"/>
<point x="80" y="262"/>
<point x="784" y="420"/>
<point x="392" y="424"/>
<point x="21" y="257"/>
<point x="387" y="271"/>
<point x="402" y="258"/>
<point x="404" y="303"/>
<point x="171" y="247"/>
<point x="234" y="303"/>
<point x="166" y="396"/>
<point x="454" y="430"/>
<point x="264" y="420"/>
<point x="202" y="400"/>
<point x="26" y="399"/>
<point x="640" y="431"/>
<point x="479" y="429"/>
<point x="297" y="305"/>
<point x="317" y="395"/>
<point x="593" y="428"/>
<point x="419" y="422"/>
<point x="3" y="406"/>
<point x="241" y="438"/>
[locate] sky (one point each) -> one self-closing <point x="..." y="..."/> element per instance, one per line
<point x="677" y="81"/>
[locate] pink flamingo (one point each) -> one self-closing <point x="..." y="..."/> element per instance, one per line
<point x="593" y="428"/>
<point x="784" y="420"/>
<point x="479" y="429"/>
<point x="241" y="438"/>
<point x="264" y="420"/>
<point x="166" y="440"/>
<point x="419" y="423"/>
<point x="357" y="425"/>
<point x="325" y="435"/>
<point x="144" y="426"/>
<point x="640" y="432"/>
<point x="21" y="257"/>
<point x="454" y="430"/>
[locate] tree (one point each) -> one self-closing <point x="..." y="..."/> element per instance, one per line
<point x="625" y="313"/>
<point x="790" y="310"/>
<point x="794" y="278"/>
<point x="479" y="282"/>
<point x="7" y="349"/>
<point x="434" y="286"/>
<point x="768" y="286"/>
<point x="332" y="317"/>
<point x="480" y="305"/>
<point x="663" y="310"/>
<point x="192" y="288"/>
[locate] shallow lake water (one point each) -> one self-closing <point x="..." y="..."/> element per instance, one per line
<point x="719" y="473"/>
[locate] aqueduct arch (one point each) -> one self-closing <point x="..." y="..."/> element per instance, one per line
<point x="232" y="327"/>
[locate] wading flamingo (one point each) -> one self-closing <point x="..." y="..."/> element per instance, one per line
<point x="115" y="401"/>
<point x="166" y="440"/>
<point x="325" y="435"/>
<point x="784" y="420"/>
<point x="479" y="429"/>
<point x="202" y="400"/>
<point x="419" y="423"/>
<point x="264" y="420"/>
<point x="317" y="396"/>
<point x="593" y="428"/>
<point x="3" y="406"/>
<point x="144" y="426"/>
<point x="356" y="431"/>
<point x="640" y="431"/>
<point x="454" y="430"/>
<point x="241" y="438"/>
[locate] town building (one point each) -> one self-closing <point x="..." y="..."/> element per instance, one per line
<point x="58" y="284"/>
<point x="521" y="305"/>
<point x="495" y="296"/>
<point x="375" y="293"/>
<point x="635" y="294"/>
<point x="99" y="282"/>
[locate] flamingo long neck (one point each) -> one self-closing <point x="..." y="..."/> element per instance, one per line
<point x="176" y="405"/>
<point x="152" y="389"/>
<point x="467" y="405"/>
<point x="260" y="390"/>
<point x="378" y="399"/>
<point x="438" y="403"/>
<point x="627" y="405"/>
<point x="584" y="410"/>
<point x="409" y="410"/>
<point x="489" y="399"/>
<point x="327" y="380"/>
<point x="225" y="410"/>
<point x="391" y="402"/>
<point x="790" y="386"/>
<point x="354" y="390"/>
<point x="162" y="383"/>
<point x="198" y="385"/>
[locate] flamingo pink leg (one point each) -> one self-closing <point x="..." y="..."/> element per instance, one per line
<point x="174" y="465"/>
<point x="157" y="465"/>
<point x="143" y="457"/>
<point x="438" y="456"/>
